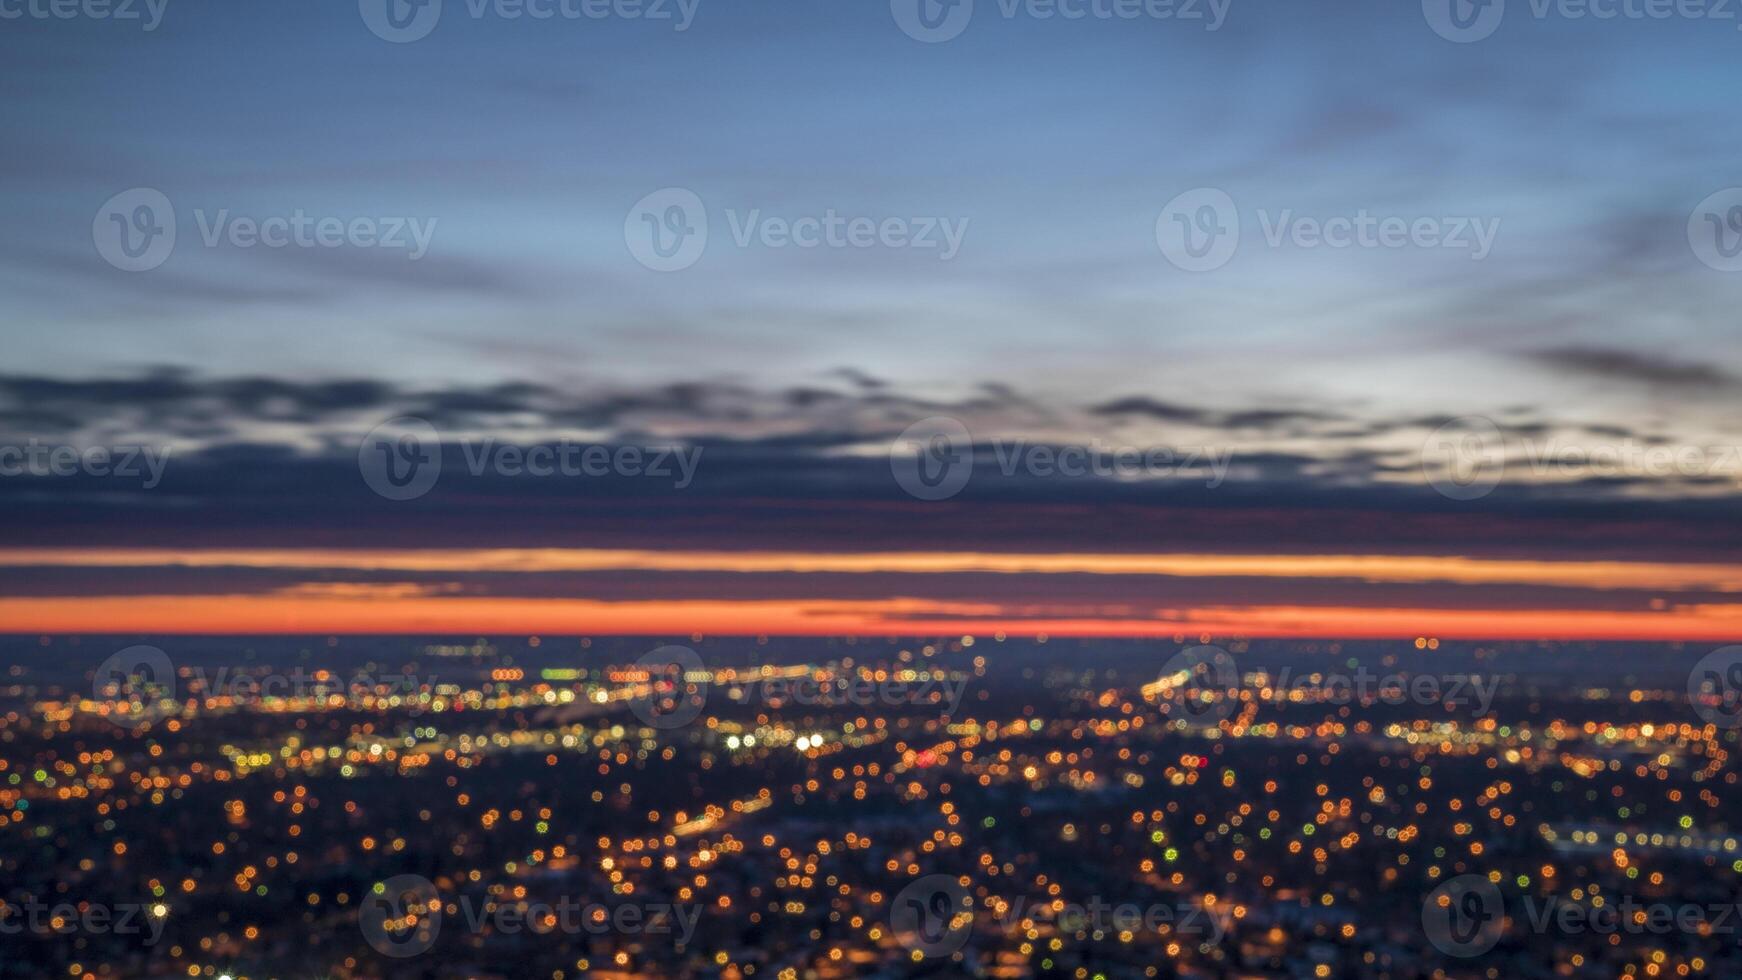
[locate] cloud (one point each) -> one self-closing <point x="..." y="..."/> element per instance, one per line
<point x="1253" y="418"/>
<point x="266" y="458"/>
<point x="860" y="378"/>
<point x="1151" y="408"/>
<point x="1616" y="364"/>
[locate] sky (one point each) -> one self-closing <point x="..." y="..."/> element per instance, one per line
<point x="1015" y="202"/>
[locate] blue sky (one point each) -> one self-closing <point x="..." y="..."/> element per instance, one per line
<point x="1056" y="141"/>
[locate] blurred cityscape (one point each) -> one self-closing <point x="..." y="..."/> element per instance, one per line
<point x="817" y="808"/>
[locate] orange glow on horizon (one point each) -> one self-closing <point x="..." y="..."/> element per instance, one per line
<point x="1452" y="569"/>
<point x="385" y="614"/>
<point x="317" y="605"/>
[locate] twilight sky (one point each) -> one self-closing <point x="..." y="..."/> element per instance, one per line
<point x="526" y="149"/>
